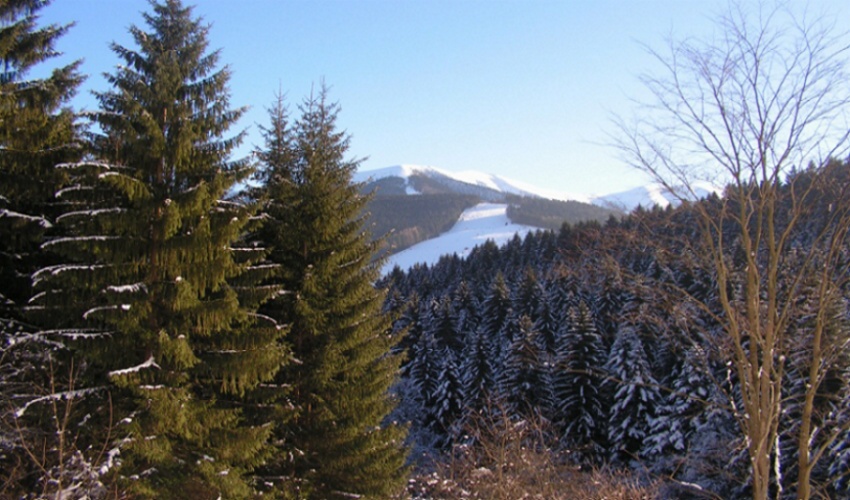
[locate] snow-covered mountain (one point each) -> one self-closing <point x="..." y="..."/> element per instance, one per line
<point x="485" y="221"/>
<point x="649" y="195"/>
<point x="488" y="218"/>
<point x="415" y="179"/>
<point x="488" y="186"/>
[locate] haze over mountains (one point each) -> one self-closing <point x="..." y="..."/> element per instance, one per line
<point x="429" y="212"/>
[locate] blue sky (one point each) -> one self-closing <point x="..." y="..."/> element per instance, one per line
<point x="519" y="88"/>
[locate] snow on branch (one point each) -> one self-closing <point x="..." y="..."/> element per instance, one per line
<point x="123" y="307"/>
<point x="90" y="213"/>
<point x="267" y="318"/>
<point x="133" y="288"/>
<point x="57" y="396"/>
<point x="230" y="203"/>
<point x="78" y="164"/>
<point x="75" y="334"/>
<point x="43" y="337"/>
<point x="61" y="268"/>
<point x="75" y="187"/>
<point x="77" y="239"/>
<point x="263" y="266"/>
<point x="16" y="215"/>
<point x="150" y="363"/>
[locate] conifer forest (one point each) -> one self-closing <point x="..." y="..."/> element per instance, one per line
<point x="177" y="322"/>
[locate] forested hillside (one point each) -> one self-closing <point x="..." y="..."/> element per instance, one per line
<point x="403" y="220"/>
<point x="552" y="214"/>
<point x="611" y="335"/>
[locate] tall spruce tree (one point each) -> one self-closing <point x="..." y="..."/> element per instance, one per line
<point x="523" y="384"/>
<point x="37" y="132"/>
<point x="155" y="285"/>
<point x="446" y="404"/>
<point x="579" y="402"/>
<point x="338" y="332"/>
<point x="495" y="310"/>
<point x="477" y="376"/>
<point x="467" y="310"/>
<point x="636" y="395"/>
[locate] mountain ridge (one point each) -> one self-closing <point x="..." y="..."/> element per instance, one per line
<point x="497" y="188"/>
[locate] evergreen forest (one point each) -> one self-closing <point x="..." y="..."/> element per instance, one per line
<point x="176" y="322"/>
<point x="606" y="338"/>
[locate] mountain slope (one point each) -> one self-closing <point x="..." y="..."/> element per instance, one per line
<point x="412" y="204"/>
<point x="424" y="212"/>
<point x="484" y="221"/>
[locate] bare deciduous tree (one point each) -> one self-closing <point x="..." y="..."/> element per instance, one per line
<point x="766" y="96"/>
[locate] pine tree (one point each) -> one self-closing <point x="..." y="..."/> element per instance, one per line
<point x="337" y="330"/>
<point x="636" y="395"/>
<point x="528" y="295"/>
<point x="477" y="376"/>
<point x="37" y="132"/>
<point x="272" y="402"/>
<point x="155" y="285"/>
<point x="579" y="401"/>
<point x="411" y="324"/>
<point x="441" y="321"/>
<point x="423" y="371"/>
<point x="445" y="405"/>
<point x="467" y="311"/>
<point x="548" y="322"/>
<point x="523" y="383"/>
<point x="669" y="434"/>
<point x="494" y="314"/>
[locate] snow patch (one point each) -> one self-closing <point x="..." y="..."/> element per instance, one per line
<point x="476" y="225"/>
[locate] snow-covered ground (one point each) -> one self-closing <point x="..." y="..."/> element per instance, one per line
<point x="485" y="221"/>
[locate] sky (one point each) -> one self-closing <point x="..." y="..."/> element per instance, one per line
<point x="525" y="89"/>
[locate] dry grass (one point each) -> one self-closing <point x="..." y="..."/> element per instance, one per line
<point x="510" y="461"/>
